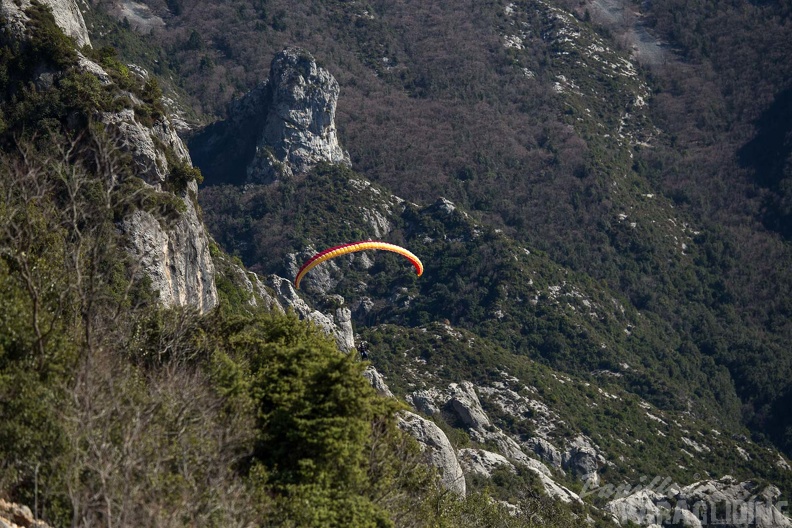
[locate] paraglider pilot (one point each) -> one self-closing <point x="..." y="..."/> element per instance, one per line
<point x="364" y="350"/>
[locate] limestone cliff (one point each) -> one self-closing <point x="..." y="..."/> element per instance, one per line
<point x="281" y="128"/>
<point x="174" y="255"/>
<point x="67" y="15"/>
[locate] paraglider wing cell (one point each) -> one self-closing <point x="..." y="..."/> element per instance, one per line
<point x="354" y="247"/>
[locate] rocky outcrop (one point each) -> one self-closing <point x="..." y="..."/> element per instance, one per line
<point x="440" y="453"/>
<point x="506" y="445"/>
<point x="424" y="401"/>
<point x="283" y="127"/>
<point x="18" y="516"/>
<point x="174" y="254"/>
<point x="484" y="463"/>
<point x="583" y="459"/>
<point x="467" y="406"/>
<point x="545" y="450"/>
<point x="144" y="143"/>
<point x="461" y="400"/>
<point x="277" y="293"/>
<point x="67" y="15"/>
<point x="175" y="257"/>
<point x="377" y="381"/>
<point x="299" y="130"/>
<point x="723" y="502"/>
<point x="339" y="324"/>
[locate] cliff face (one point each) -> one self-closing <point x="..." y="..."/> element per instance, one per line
<point x="174" y="255"/>
<point x="299" y="130"/>
<point x="67" y="15"/>
<point x="281" y="128"/>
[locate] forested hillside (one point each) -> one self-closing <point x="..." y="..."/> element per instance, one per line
<point x="600" y="192"/>
<point x="504" y="109"/>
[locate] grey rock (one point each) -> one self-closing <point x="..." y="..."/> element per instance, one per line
<point x="141" y="142"/>
<point x="539" y="416"/>
<point x="377" y="381"/>
<point x="424" y="401"/>
<point x="379" y="223"/>
<point x="725" y="502"/>
<point x="91" y="67"/>
<point x="743" y="502"/>
<point x="481" y="462"/>
<point x="642" y="508"/>
<point x="444" y="205"/>
<point x="321" y="279"/>
<point x="345" y="333"/>
<point x="175" y="257"/>
<point x="138" y="140"/>
<point x="511" y="451"/>
<point x="438" y="450"/>
<point x="583" y="459"/>
<point x="299" y="129"/>
<point x="258" y="294"/>
<point x="507" y="446"/>
<point x="66" y="13"/>
<point x="363" y="306"/>
<point x="545" y="450"/>
<point x="553" y="489"/>
<point x="338" y="325"/>
<point x="466" y="405"/>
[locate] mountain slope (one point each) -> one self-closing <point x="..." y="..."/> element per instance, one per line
<point x="579" y="327"/>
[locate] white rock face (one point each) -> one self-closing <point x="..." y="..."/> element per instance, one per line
<point x="176" y="258"/>
<point x="483" y="462"/>
<point x="467" y="406"/>
<point x="710" y="502"/>
<point x="66" y="13"/>
<point x="299" y="130"/>
<point x="138" y="140"/>
<point x="339" y="326"/>
<point x="438" y="449"/>
<point x="377" y="381"/>
<point x="583" y="459"/>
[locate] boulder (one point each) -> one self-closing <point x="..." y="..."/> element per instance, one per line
<point x="545" y="450"/>
<point x="424" y="401"/>
<point x="582" y="458"/>
<point x="437" y="448"/>
<point x="466" y="405"/>
<point x="481" y="462"/>
<point x="377" y="381"/>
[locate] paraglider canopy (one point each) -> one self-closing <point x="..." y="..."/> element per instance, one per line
<point x="354" y="247"/>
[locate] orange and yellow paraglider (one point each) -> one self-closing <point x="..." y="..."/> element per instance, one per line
<point x="354" y="247"/>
